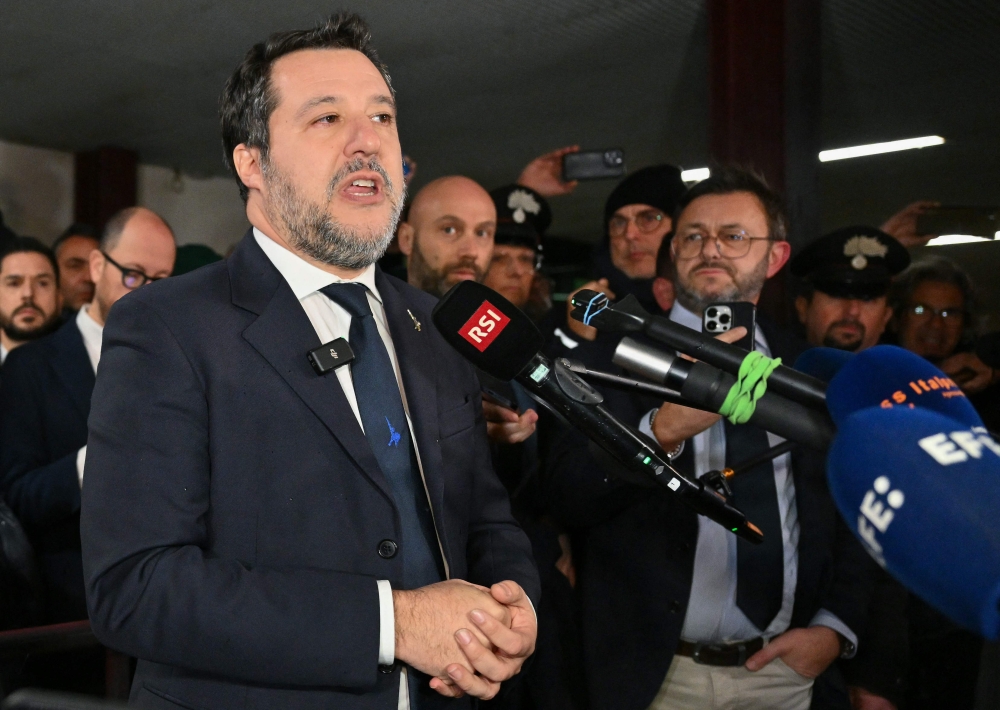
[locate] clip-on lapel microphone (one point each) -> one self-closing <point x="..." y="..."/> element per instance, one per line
<point x="330" y="356"/>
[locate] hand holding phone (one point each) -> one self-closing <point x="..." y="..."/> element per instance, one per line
<point x="722" y="317"/>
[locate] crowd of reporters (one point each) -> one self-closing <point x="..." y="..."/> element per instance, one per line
<point x="644" y="604"/>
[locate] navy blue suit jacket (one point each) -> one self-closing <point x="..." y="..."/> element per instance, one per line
<point x="44" y="403"/>
<point x="635" y="550"/>
<point x="233" y="509"/>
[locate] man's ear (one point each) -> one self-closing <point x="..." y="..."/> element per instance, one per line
<point x="97" y="264"/>
<point x="404" y="238"/>
<point x="778" y="257"/>
<point x="248" y="167"/>
<point x="802" y="308"/>
<point x="663" y="292"/>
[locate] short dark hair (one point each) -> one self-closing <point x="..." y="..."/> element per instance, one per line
<point x="730" y="179"/>
<point x="22" y="245"/>
<point x="249" y="99"/>
<point x="77" y="229"/>
<point x="942" y="270"/>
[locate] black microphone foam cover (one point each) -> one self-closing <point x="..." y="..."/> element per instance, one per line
<point x="487" y="329"/>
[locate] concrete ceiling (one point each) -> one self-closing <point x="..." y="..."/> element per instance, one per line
<point x="485" y="86"/>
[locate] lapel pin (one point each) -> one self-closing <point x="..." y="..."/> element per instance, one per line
<point x="416" y="323"/>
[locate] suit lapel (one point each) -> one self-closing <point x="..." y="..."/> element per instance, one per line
<point x="282" y="334"/>
<point x="72" y="367"/>
<point x="416" y="360"/>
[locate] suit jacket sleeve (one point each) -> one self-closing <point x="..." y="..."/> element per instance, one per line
<point x="153" y="590"/>
<point x="497" y="549"/>
<point x="39" y="491"/>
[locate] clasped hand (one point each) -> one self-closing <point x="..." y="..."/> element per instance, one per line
<point x="469" y="638"/>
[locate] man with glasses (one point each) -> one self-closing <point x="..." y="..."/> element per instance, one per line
<point x="712" y="620"/>
<point x="637" y="216"/>
<point x="45" y="401"/>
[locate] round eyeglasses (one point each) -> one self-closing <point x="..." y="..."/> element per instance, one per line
<point x="646" y="221"/>
<point x="949" y="315"/>
<point x="733" y="244"/>
<point x="131" y="278"/>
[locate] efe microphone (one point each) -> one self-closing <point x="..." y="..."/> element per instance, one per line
<point x="497" y="338"/>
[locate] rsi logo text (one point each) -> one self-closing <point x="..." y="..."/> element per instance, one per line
<point x="484" y="326"/>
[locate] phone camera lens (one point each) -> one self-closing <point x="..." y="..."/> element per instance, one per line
<point x="724" y="318"/>
<point x="712" y="312"/>
<point x="710" y="325"/>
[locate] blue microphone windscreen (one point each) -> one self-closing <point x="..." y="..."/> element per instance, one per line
<point x="822" y="363"/>
<point x="887" y="376"/>
<point x="921" y="492"/>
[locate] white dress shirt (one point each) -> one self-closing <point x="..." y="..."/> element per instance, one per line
<point x="332" y="321"/>
<point x="93" y="336"/>
<point x="712" y="614"/>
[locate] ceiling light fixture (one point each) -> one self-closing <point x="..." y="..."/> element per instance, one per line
<point x="949" y="239"/>
<point x="695" y="174"/>
<point x="857" y="151"/>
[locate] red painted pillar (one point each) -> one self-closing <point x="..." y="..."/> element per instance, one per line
<point x="105" y="182"/>
<point x="765" y="90"/>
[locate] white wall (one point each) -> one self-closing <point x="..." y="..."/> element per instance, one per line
<point x="200" y="210"/>
<point x="36" y="190"/>
<point x="36" y="197"/>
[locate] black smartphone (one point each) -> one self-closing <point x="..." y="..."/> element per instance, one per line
<point x="593" y="164"/>
<point x="720" y="317"/>
<point x="958" y="219"/>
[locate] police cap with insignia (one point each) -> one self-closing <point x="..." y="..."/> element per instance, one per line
<point x="853" y="262"/>
<point x="522" y="216"/>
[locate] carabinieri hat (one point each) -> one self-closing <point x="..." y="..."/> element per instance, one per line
<point x="853" y="262"/>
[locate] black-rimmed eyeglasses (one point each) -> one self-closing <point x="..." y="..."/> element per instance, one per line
<point x="131" y="278"/>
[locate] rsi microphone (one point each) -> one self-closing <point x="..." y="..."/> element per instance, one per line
<point x="921" y="491"/>
<point x="707" y="387"/>
<point x="627" y="316"/>
<point x="488" y="331"/>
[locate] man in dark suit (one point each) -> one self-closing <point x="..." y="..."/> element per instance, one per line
<point x="261" y="532"/>
<point x="676" y="613"/>
<point x="29" y="293"/>
<point x="45" y="401"/>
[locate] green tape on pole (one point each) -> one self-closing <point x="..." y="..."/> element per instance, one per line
<point x="751" y="384"/>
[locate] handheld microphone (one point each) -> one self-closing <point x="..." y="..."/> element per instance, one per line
<point x="707" y="387"/>
<point x="888" y="377"/>
<point x="488" y="331"/>
<point x="593" y="308"/>
<point x="921" y="492"/>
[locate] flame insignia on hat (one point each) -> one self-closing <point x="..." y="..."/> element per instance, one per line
<point x="521" y="202"/>
<point x="861" y="247"/>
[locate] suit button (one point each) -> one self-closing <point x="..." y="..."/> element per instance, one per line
<point x="675" y="606"/>
<point x="387" y="549"/>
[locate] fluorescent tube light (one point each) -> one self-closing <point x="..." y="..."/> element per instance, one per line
<point x="946" y="239"/>
<point x="857" y="151"/>
<point x="695" y="175"/>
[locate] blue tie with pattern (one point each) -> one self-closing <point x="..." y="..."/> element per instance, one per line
<point x="388" y="434"/>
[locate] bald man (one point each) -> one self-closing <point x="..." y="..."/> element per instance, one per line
<point x="448" y="235"/>
<point x="45" y="402"/>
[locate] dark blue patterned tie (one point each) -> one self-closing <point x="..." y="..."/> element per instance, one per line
<point x="388" y="434"/>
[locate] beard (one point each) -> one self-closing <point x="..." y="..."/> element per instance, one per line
<point x="21" y="335"/>
<point x="831" y="341"/>
<point x="314" y="232"/>
<point x="436" y="282"/>
<point x="744" y="287"/>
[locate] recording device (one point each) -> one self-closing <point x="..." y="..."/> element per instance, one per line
<point x="488" y="331"/>
<point x="593" y="164"/>
<point x="593" y="308"/>
<point x="495" y="390"/>
<point x="707" y="387"/>
<point x="822" y="363"/>
<point x="330" y="356"/>
<point x="722" y="317"/>
<point x="921" y="490"/>
<point x="889" y="377"/>
<point x="958" y="219"/>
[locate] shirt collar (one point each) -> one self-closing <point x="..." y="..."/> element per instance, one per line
<point x="89" y="328"/>
<point x="305" y="278"/>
